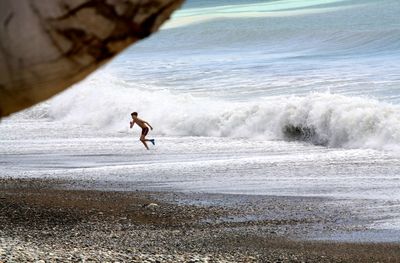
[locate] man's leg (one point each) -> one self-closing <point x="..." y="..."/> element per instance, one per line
<point x="144" y="134"/>
<point x="150" y="140"/>
<point x="143" y="140"/>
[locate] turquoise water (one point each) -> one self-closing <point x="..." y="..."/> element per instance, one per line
<point x="239" y="51"/>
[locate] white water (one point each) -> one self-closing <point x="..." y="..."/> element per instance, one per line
<point x="331" y="119"/>
<point x="279" y="98"/>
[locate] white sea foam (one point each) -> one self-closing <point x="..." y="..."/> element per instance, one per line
<point x="350" y="51"/>
<point x="320" y="118"/>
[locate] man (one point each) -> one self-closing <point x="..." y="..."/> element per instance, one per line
<point x="142" y="124"/>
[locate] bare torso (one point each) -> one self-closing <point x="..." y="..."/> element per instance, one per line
<point x="140" y="123"/>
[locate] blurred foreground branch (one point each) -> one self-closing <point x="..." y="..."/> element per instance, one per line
<point x="48" y="45"/>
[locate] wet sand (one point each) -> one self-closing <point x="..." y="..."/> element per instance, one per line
<point x="56" y="221"/>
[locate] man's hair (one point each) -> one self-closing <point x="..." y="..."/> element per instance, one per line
<point x="134" y="113"/>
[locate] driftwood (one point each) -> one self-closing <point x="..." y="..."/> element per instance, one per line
<point x="47" y="45"/>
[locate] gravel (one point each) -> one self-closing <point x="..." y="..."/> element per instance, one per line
<point x="46" y="221"/>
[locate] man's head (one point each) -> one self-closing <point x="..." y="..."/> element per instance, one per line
<point x="134" y="114"/>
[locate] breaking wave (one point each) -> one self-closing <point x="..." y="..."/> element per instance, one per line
<point x="320" y="118"/>
<point x="242" y="51"/>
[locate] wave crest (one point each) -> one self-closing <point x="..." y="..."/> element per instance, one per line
<point x="320" y="118"/>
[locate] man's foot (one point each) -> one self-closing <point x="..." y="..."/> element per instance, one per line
<point x="152" y="141"/>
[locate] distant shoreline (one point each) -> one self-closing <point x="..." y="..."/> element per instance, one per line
<point x="41" y="219"/>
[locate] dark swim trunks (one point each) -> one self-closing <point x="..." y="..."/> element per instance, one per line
<point x="145" y="131"/>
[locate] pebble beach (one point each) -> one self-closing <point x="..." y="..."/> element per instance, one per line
<point x="50" y="221"/>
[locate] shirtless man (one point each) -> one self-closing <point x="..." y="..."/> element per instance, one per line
<point x="142" y="124"/>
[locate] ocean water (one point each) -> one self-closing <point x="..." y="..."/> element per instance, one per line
<point x="283" y="97"/>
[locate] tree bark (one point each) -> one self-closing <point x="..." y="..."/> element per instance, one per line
<point x="48" y="45"/>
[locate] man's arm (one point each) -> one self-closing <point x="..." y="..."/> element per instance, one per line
<point x="131" y="124"/>
<point x="148" y="124"/>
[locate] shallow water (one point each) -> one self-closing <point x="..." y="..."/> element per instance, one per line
<point x="298" y="98"/>
<point x="205" y="164"/>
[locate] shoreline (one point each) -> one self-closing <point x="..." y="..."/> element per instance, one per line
<point x="50" y="220"/>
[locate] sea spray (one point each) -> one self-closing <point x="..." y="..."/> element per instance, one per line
<point x="260" y="71"/>
<point x="320" y="118"/>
